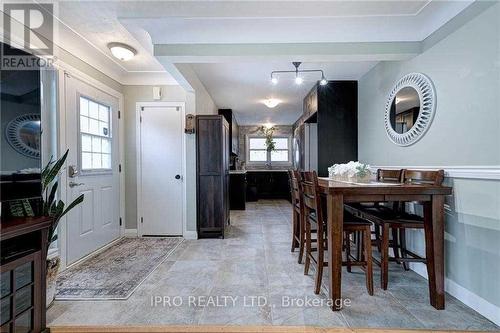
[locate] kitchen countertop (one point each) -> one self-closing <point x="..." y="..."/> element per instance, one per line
<point x="237" y="172"/>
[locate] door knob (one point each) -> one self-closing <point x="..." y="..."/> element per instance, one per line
<point x="177" y="176"/>
<point x="73" y="184"/>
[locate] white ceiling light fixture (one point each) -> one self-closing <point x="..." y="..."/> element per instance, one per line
<point x="298" y="79"/>
<point x="122" y="51"/>
<point x="271" y="102"/>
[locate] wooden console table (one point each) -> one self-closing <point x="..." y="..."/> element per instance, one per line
<point x="338" y="193"/>
<point x="23" y="244"/>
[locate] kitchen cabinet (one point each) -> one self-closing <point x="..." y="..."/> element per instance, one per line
<point x="333" y="109"/>
<point x="212" y="147"/>
<point x="237" y="190"/>
<point x="233" y="130"/>
<point x="263" y="184"/>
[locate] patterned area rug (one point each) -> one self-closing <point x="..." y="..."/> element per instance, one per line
<point x="117" y="271"/>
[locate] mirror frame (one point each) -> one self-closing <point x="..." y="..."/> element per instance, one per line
<point x="13" y="136"/>
<point x="427" y="95"/>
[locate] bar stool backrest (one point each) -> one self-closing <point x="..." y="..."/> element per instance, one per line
<point x="423" y="177"/>
<point x="311" y="195"/>
<point x="390" y="176"/>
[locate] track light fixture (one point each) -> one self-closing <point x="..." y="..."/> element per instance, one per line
<point x="298" y="79"/>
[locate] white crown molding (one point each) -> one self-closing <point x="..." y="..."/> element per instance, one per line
<point x="486" y="172"/>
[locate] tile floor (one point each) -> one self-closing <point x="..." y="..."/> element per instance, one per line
<point x="251" y="277"/>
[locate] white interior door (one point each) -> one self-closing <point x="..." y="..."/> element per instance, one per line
<point x="161" y="136"/>
<point x="92" y="139"/>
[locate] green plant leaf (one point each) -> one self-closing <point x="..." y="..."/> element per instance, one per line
<point x="54" y="171"/>
<point x="52" y="194"/>
<point x="72" y="205"/>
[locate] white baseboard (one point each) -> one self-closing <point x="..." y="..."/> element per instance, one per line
<point x="485" y="308"/>
<point x="130" y="233"/>
<point x="190" y="234"/>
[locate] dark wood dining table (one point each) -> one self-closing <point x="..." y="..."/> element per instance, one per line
<point x="433" y="197"/>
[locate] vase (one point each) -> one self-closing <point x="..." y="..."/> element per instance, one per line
<point x="52" y="271"/>
<point x="361" y="179"/>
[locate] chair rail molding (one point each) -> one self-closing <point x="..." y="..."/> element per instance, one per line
<point x="486" y="172"/>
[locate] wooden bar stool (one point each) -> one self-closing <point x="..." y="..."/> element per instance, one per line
<point x="314" y="219"/>
<point x="297" y="210"/>
<point x="397" y="221"/>
<point x="383" y="176"/>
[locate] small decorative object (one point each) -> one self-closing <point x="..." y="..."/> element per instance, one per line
<point x="190" y="124"/>
<point x="23" y="134"/>
<point x="410" y="109"/>
<point x="50" y="206"/>
<point x="351" y="172"/>
<point x="268" y="133"/>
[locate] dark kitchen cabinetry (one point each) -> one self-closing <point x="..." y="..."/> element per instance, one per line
<point x="238" y="190"/>
<point x="233" y="130"/>
<point x="212" y="146"/>
<point x="333" y="108"/>
<point x="23" y="265"/>
<point x="267" y="185"/>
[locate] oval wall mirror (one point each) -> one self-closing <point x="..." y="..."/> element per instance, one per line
<point x="23" y="134"/>
<point x="410" y="109"/>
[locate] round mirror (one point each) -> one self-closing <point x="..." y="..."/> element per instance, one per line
<point x="23" y="134"/>
<point x="405" y="108"/>
<point x="410" y="108"/>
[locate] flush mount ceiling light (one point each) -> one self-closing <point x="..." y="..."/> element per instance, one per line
<point x="298" y="79"/>
<point x="271" y="102"/>
<point x="122" y="51"/>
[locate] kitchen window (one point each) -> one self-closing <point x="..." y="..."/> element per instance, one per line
<point x="257" y="151"/>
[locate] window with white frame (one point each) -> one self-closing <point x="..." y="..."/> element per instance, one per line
<point x="257" y="150"/>
<point x="95" y="136"/>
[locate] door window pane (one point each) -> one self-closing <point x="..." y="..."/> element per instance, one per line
<point x="93" y="110"/>
<point x="95" y="135"/>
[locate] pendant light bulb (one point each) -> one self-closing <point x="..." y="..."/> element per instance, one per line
<point x="323" y="81"/>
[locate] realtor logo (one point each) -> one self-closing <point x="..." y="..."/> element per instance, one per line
<point x="28" y="27"/>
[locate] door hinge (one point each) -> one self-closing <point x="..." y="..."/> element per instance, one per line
<point x="119" y="114"/>
<point x="119" y="168"/>
<point x="142" y="219"/>
<point x="120" y="221"/>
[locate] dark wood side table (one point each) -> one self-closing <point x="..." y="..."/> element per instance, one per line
<point x="23" y="244"/>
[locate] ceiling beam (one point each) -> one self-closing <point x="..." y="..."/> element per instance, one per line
<point x="310" y="52"/>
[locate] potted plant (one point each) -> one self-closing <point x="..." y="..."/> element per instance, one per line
<point x="268" y="133"/>
<point x="48" y="205"/>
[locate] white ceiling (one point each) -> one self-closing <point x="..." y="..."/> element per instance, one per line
<point x="296" y="21"/>
<point x="251" y="38"/>
<point x="243" y="86"/>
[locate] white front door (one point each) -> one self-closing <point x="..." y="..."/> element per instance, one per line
<point x="92" y="139"/>
<point x="161" y="137"/>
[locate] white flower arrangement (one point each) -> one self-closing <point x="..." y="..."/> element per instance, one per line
<point x="352" y="171"/>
